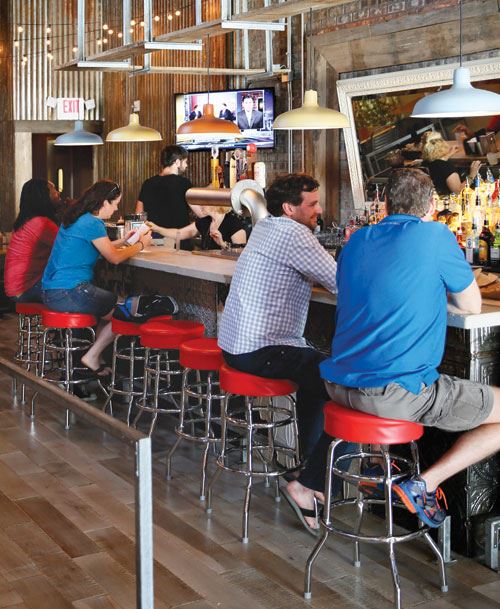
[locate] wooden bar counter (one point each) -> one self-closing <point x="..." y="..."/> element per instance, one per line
<point x="200" y="284"/>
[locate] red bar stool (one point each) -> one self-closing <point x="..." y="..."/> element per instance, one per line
<point x="28" y="339"/>
<point x="349" y="425"/>
<point x="62" y="351"/>
<point x="200" y="354"/>
<point x="159" y="339"/>
<point x="130" y="351"/>
<point x="262" y="455"/>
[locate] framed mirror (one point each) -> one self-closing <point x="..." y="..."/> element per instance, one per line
<point x="387" y="91"/>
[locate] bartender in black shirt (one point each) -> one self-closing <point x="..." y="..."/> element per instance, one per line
<point x="444" y="175"/>
<point x="163" y="197"/>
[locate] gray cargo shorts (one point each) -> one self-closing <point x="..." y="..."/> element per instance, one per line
<point x="450" y="403"/>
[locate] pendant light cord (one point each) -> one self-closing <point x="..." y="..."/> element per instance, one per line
<point x="208" y="68"/>
<point x="310" y="49"/>
<point x="460" y="31"/>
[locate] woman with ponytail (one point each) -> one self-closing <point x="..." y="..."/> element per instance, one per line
<point x="81" y="240"/>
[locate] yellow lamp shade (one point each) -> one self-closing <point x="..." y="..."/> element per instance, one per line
<point x="134" y="132"/>
<point x="311" y="116"/>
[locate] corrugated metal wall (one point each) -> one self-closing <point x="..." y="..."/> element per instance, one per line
<point x="34" y="76"/>
<point x="131" y="163"/>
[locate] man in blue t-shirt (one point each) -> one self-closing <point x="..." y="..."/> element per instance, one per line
<point x="395" y="282"/>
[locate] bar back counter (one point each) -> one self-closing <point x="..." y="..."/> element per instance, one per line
<point x="200" y="284"/>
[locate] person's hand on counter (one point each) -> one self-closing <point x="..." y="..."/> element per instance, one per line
<point x="146" y="239"/>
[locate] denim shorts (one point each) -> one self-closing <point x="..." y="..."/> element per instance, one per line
<point x="33" y="294"/>
<point x="450" y="403"/>
<point x="84" y="298"/>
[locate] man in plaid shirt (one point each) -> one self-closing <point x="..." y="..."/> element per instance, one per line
<point x="262" y="326"/>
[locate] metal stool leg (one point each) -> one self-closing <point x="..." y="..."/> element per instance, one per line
<point x="389" y="525"/>
<point x="326" y="519"/>
<point x="222" y="453"/>
<point x="248" y="491"/>
<point x="360" y="505"/>
<point x="208" y="419"/>
<point x="68" y="371"/>
<point x="182" y="413"/>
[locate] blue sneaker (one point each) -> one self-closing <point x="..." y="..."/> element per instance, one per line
<point x="374" y="490"/>
<point x="413" y="494"/>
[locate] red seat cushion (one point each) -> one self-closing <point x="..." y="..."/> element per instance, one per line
<point x="356" y="426"/>
<point x="30" y="308"/>
<point x="201" y="354"/>
<point x="55" y="319"/>
<point x="169" y="334"/>
<point x="241" y="383"/>
<point x="129" y="328"/>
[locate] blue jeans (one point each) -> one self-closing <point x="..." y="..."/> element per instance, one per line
<point x="33" y="294"/>
<point x="84" y="298"/>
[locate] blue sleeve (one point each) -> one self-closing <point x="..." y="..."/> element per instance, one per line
<point x="455" y="271"/>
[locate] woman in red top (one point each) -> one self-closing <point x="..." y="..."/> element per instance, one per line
<point x="35" y="229"/>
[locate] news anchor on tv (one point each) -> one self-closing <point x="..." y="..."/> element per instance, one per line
<point x="248" y="118"/>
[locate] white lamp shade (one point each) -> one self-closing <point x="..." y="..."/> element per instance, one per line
<point x="460" y="100"/>
<point x="311" y="116"/>
<point x="134" y="132"/>
<point x="78" y="137"/>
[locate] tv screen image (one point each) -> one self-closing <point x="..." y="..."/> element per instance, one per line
<point x="252" y="110"/>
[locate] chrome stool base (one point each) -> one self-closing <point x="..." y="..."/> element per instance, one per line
<point x="203" y="392"/>
<point x="261" y="455"/>
<point x="390" y="538"/>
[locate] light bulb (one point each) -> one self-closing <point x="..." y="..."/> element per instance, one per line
<point x="75" y="49"/>
<point x="177" y="12"/>
<point x="110" y="32"/>
<point x="120" y="35"/>
<point x="48" y="30"/>
<point x="156" y="18"/>
<point x="105" y="26"/>
<point x="50" y="56"/>
<point x="132" y="22"/>
<point x="169" y="17"/>
<point x="104" y="40"/>
<point x="20" y="29"/>
<point x="141" y="23"/>
<point x="16" y="43"/>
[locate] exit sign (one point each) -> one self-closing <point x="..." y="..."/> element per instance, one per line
<point x="70" y="108"/>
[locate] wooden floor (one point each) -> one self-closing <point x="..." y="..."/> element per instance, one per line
<point x="67" y="528"/>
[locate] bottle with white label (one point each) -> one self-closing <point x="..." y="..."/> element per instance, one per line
<point x="495" y="247"/>
<point x="259" y="173"/>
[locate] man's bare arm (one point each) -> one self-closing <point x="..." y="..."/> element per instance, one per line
<point x="139" y="207"/>
<point x="466" y="301"/>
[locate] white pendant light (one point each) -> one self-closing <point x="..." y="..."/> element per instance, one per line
<point x="311" y="115"/>
<point x="78" y="137"/>
<point x="134" y="132"/>
<point x="208" y="126"/>
<point x="461" y="99"/>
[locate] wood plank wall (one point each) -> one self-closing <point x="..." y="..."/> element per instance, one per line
<point x="131" y="163"/>
<point x="7" y="192"/>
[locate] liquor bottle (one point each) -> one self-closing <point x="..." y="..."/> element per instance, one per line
<point x="460" y="238"/>
<point x="495" y="247"/>
<point x="226" y="170"/>
<point x="472" y="245"/>
<point x="214" y="167"/>
<point x="319" y="224"/>
<point x="484" y="244"/>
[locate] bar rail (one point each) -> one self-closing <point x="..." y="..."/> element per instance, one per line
<point x="142" y="470"/>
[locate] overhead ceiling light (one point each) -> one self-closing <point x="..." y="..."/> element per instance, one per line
<point x="208" y="125"/>
<point x="311" y="115"/>
<point x="133" y="132"/>
<point x="461" y="99"/>
<point x="78" y="137"/>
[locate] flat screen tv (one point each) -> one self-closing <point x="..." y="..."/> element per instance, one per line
<point x="251" y="109"/>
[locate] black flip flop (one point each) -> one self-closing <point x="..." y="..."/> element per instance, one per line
<point x="302" y="513"/>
